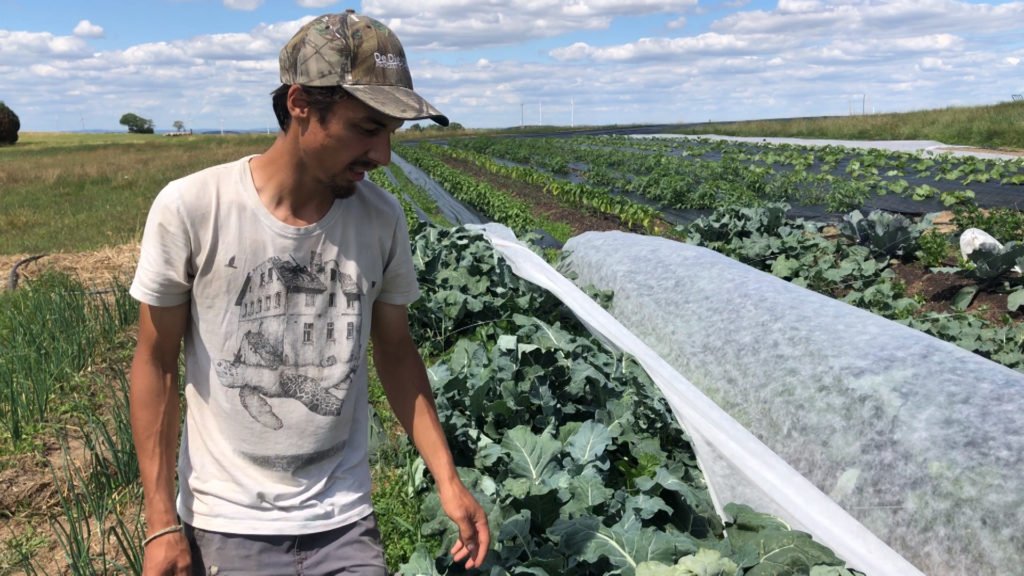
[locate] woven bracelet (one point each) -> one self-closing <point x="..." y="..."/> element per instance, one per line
<point x="164" y="532"/>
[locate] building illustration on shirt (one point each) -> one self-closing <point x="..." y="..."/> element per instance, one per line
<point x="299" y="335"/>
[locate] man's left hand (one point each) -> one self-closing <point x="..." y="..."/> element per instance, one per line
<point x="474" y="534"/>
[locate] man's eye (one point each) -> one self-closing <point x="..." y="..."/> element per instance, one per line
<point x="370" y="131"/>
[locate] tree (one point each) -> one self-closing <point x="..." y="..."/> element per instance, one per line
<point x="9" y="125"/>
<point x="179" y="126"/>
<point x="137" y="124"/>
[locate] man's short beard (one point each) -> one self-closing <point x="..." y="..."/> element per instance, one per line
<point x="342" y="191"/>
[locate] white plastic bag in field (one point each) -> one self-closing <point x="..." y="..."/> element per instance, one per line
<point x="974" y="238"/>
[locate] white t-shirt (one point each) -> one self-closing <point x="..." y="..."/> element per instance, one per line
<point x="275" y="437"/>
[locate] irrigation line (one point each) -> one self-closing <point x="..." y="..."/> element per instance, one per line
<point x="12" y="280"/>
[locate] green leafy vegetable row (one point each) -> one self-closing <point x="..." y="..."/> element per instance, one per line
<point x="702" y="173"/>
<point x="571" y="449"/>
<point x="490" y="201"/>
<point x="632" y="214"/>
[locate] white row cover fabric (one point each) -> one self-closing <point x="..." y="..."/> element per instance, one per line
<point x="453" y="210"/>
<point x="738" y="466"/>
<point x="919" y="440"/>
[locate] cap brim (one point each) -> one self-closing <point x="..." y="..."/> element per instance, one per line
<point x="397" y="102"/>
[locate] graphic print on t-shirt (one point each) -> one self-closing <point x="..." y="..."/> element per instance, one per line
<point x="299" y="334"/>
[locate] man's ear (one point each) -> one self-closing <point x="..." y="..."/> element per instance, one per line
<point x="298" y="102"/>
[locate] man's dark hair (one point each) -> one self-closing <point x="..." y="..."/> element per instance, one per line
<point x="321" y="100"/>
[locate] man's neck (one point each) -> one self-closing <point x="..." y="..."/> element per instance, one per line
<point x="278" y="177"/>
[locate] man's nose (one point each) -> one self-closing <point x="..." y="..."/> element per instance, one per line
<point x="380" y="150"/>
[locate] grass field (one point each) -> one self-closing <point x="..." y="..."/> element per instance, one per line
<point x="72" y="192"/>
<point x="998" y="126"/>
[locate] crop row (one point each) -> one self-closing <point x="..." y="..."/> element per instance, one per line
<point x="859" y="267"/>
<point x="632" y="214"/>
<point x="854" y="162"/>
<point x="490" y="201"/>
<point x="569" y="447"/>
<point x="741" y="174"/>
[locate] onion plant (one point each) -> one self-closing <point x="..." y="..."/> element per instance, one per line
<point x="50" y="329"/>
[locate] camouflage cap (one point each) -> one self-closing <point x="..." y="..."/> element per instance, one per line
<point x="360" y="54"/>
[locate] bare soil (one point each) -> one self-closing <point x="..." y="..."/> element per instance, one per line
<point x="939" y="289"/>
<point x="30" y="498"/>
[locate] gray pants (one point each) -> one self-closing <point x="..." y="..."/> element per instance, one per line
<point x="353" y="549"/>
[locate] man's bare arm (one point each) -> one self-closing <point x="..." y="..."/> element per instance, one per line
<point x="155" y="416"/>
<point x="405" y="383"/>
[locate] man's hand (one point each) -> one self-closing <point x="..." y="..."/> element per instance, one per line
<point x="167" y="556"/>
<point x="474" y="534"/>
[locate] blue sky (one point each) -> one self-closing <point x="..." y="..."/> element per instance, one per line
<point x="69" y="64"/>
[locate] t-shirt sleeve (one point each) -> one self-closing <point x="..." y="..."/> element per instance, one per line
<point x="399" y="285"/>
<point x="164" y="274"/>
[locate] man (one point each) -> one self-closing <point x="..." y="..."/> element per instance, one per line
<point x="276" y="271"/>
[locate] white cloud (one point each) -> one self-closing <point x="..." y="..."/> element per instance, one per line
<point x="677" y="24"/>
<point x="873" y="18"/>
<point x="155" y="53"/>
<point x="1012" y="60"/>
<point x="889" y="49"/>
<point x="263" y="43"/>
<point x="465" y="24"/>
<point x="27" y="47"/>
<point x="670" y="48"/>
<point x="86" y="29"/>
<point x="930" y="63"/>
<point x="243" y="5"/>
<point x="232" y="47"/>
<point x="47" y="71"/>
<point x="798" y="6"/>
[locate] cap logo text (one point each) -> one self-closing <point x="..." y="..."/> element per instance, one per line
<point x="389" y="61"/>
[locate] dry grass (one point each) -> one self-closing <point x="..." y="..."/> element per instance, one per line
<point x="96" y="269"/>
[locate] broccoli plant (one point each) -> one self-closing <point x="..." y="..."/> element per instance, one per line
<point x="884" y="233"/>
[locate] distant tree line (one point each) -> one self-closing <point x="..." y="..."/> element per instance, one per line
<point x="454" y="126"/>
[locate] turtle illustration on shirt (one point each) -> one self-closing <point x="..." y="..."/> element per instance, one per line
<point x="257" y="383"/>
